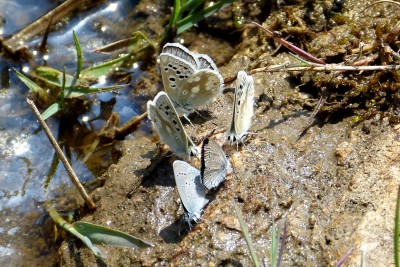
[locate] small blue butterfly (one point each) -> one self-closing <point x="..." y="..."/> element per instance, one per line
<point x="190" y="189"/>
<point x="169" y="127"/>
<point x="214" y="164"/>
<point x="242" y="108"/>
<point x="191" y="80"/>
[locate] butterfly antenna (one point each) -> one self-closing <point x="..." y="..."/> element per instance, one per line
<point x="201" y="140"/>
<point x="204" y="118"/>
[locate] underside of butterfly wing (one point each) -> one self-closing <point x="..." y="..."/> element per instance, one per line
<point x="214" y="164"/>
<point x="169" y="127"/>
<point x="245" y="111"/>
<point x="242" y="108"/>
<point x="190" y="189"/>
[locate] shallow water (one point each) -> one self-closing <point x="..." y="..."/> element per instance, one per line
<point x="25" y="152"/>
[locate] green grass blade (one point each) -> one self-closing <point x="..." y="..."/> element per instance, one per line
<point x="53" y="77"/>
<point x="102" y="69"/>
<point x="102" y="235"/>
<point x="191" y="5"/>
<point x="70" y="229"/>
<point x="246" y="236"/>
<point x="36" y="89"/>
<point x="191" y="20"/>
<point x="131" y="44"/>
<point x="78" y="56"/>
<point x="176" y="13"/>
<point x="396" y="230"/>
<point x="50" y="111"/>
<point x="80" y="91"/>
<point x="62" y="95"/>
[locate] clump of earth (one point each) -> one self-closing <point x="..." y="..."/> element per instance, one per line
<point x="333" y="185"/>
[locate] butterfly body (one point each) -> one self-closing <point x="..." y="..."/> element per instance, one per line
<point x="190" y="80"/>
<point x="166" y="121"/>
<point x="190" y="189"/>
<point x="242" y="108"/>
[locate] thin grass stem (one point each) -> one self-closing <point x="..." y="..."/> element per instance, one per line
<point x="246" y="236"/>
<point x="61" y="156"/>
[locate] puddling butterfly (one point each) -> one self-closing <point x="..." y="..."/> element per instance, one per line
<point x="242" y="108"/>
<point x="190" y="189"/>
<point x="169" y="127"/>
<point x="214" y="164"/>
<point x="190" y="80"/>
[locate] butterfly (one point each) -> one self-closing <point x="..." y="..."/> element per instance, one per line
<point x="165" y="120"/>
<point x="190" y="189"/>
<point x="190" y="80"/>
<point x="214" y="164"/>
<point x="242" y="108"/>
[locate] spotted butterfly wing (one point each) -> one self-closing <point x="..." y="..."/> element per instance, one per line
<point x="242" y="108"/>
<point x="190" y="189"/>
<point x="214" y="164"/>
<point x="169" y="127"/>
<point x="205" y="62"/>
<point x="191" y="80"/>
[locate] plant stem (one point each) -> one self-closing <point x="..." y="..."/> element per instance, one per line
<point x="60" y="154"/>
<point x="342" y="260"/>
<point x="318" y="67"/>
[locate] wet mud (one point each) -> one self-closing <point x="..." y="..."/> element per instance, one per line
<point x="335" y="186"/>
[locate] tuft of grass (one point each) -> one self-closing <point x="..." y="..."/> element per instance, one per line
<point x="66" y="86"/>
<point x="185" y="14"/>
<point x="276" y="246"/>
<point x="193" y="18"/>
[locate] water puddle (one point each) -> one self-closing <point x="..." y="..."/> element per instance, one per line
<point x="25" y="152"/>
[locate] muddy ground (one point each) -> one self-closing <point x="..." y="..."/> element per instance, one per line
<point x="335" y="186"/>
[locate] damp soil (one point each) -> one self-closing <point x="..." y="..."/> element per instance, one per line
<point x="334" y="186"/>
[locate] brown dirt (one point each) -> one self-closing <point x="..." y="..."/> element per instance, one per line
<point x="335" y="187"/>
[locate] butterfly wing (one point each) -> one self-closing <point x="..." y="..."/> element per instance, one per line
<point x="244" y="104"/>
<point x="205" y="62"/>
<point x="214" y="164"/>
<point x="181" y="52"/>
<point x="242" y="107"/>
<point x="175" y="72"/>
<point x="231" y="133"/>
<point x="190" y="188"/>
<point x="188" y="85"/>
<point x="201" y="88"/>
<point x="168" y="125"/>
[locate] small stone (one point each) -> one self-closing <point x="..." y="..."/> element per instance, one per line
<point x="231" y="222"/>
<point x="343" y="151"/>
